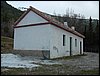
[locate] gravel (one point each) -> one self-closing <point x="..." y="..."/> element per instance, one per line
<point x="88" y="62"/>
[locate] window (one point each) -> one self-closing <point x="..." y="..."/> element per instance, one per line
<point x="75" y="42"/>
<point x="63" y="40"/>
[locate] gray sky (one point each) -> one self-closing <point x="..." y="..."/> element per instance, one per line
<point x="86" y="8"/>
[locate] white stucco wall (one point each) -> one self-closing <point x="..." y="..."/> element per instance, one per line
<point x="56" y="43"/>
<point x="32" y="38"/>
<point x="44" y="37"/>
<point x="31" y="18"/>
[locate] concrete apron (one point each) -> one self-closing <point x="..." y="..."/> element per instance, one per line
<point x="43" y="54"/>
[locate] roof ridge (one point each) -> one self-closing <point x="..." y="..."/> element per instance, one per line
<point x="53" y="20"/>
<point x="50" y="19"/>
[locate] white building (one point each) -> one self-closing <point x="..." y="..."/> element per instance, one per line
<point x="39" y="34"/>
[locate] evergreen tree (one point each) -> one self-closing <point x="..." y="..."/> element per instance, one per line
<point x="97" y="34"/>
<point x="89" y="35"/>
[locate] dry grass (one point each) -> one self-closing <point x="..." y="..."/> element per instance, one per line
<point x="88" y="72"/>
<point x="49" y="70"/>
<point x="6" y="44"/>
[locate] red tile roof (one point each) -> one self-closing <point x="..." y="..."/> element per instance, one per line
<point x="51" y="21"/>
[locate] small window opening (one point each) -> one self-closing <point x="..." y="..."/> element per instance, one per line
<point x="63" y="40"/>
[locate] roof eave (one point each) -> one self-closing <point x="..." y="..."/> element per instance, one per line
<point x="42" y="15"/>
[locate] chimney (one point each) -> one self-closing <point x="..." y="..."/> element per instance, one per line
<point x="65" y="23"/>
<point x="72" y="27"/>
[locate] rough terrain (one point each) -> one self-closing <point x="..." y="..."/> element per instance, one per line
<point x="87" y="64"/>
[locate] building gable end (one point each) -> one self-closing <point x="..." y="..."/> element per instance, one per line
<point x="30" y="18"/>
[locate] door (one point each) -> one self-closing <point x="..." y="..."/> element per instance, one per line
<point x="80" y="47"/>
<point x="70" y="46"/>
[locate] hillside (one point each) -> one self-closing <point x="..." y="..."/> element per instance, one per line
<point x="9" y="15"/>
<point x="9" y="12"/>
<point x="87" y="27"/>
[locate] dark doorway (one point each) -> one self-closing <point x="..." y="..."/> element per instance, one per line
<point x="80" y="47"/>
<point x="70" y="46"/>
